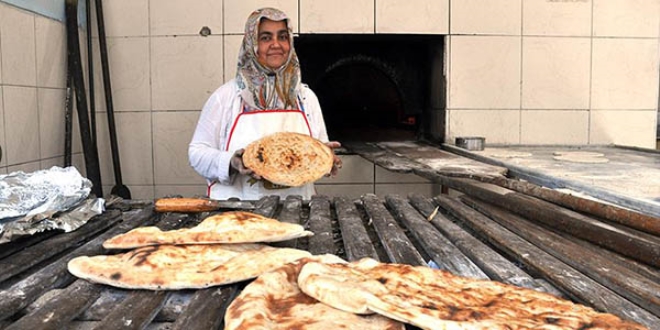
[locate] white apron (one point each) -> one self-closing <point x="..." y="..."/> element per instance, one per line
<point x="251" y="126"/>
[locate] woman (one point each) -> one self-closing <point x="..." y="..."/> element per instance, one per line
<point x="265" y="97"/>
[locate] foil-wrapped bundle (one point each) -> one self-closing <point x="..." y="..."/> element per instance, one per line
<point x="55" y="198"/>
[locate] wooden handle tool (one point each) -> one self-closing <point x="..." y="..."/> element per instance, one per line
<point x="198" y="205"/>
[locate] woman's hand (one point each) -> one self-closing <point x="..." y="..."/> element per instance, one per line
<point x="237" y="166"/>
<point x="336" y="164"/>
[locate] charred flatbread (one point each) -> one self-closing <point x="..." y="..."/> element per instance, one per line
<point x="289" y="159"/>
<point x="228" y="227"/>
<point x="274" y="301"/>
<point x="436" y="299"/>
<point x="172" y="267"/>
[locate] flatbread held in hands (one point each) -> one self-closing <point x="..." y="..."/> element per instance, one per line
<point x="228" y="227"/>
<point x="289" y="159"/>
<point x="173" y="267"/>
<point x="436" y="299"/>
<point x="274" y="301"/>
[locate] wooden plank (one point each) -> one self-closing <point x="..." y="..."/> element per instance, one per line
<point x="573" y="282"/>
<point x="443" y="252"/>
<point x="25" y="242"/>
<point x="610" y="212"/>
<point x="21" y="261"/>
<point x="629" y="242"/>
<point x="135" y="312"/>
<point x="24" y="292"/>
<point x="206" y="309"/>
<point x="61" y="309"/>
<point x="267" y="206"/>
<point x="398" y="247"/>
<point x="320" y="223"/>
<point x="492" y="263"/>
<point x="291" y="213"/>
<point x="617" y="277"/>
<point x="353" y="233"/>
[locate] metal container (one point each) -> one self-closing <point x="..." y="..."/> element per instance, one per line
<point x="472" y="143"/>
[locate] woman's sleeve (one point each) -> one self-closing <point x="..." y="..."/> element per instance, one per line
<point x="314" y="115"/>
<point x="205" y="151"/>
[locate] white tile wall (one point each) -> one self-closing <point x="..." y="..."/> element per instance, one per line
<point x="338" y="16"/>
<point x="555" y="73"/>
<point x="3" y="145"/>
<point x="557" y="18"/>
<point x="484" y="72"/>
<point x="499" y="17"/>
<point x="554" y="127"/>
<point x="22" y="124"/>
<point x="125" y="18"/>
<point x="50" y="53"/>
<point x="184" y="71"/>
<point x="17" y="41"/>
<point x="183" y="17"/>
<point x="237" y="12"/>
<point x="232" y="45"/>
<point x="182" y="190"/>
<point x="497" y="126"/>
<point x="51" y="121"/>
<point x="626" y="18"/>
<point x="172" y="134"/>
<point x="623" y="127"/>
<point x="431" y="16"/>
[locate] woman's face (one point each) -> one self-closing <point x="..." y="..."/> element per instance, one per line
<point x="273" y="43"/>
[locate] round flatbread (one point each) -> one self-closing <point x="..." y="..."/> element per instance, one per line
<point x="173" y="267"/>
<point x="289" y="159"/>
<point x="274" y="301"/>
<point x="436" y="299"/>
<point x="228" y="227"/>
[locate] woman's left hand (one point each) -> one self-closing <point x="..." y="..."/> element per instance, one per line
<point x="336" y="164"/>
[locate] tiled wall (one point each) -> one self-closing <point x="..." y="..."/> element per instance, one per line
<point x="532" y="71"/>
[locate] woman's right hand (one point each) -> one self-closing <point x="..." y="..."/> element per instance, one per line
<point x="237" y="166"/>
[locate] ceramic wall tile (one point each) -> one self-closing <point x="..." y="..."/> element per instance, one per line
<point x="623" y="127"/>
<point x="554" y="127"/>
<point x="232" y="45"/>
<point x="412" y="16"/>
<point x="556" y="73"/>
<point x="185" y="71"/>
<point x="237" y="12"/>
<point x="25" y="167"/>
<point x="497" y="126"/>
<point x="350" y="191"/>
<point x="484" y="72"/>
<point x="17" y="42"/>
<point x="51" y="63"/>
<point x="355" y="169"/>
<point x="494" y="17"/>
<point x="172" y="133"/>
<point x="198" y="190"/>
<point x="403" y="190"/>
<point x="21" y="124"/>
<point x="625" y="74"/>
<point x="51" y="121"/>
<point x="337" y="16"/>
<point x="125" y="18"/>
<point x="557" y="17"/>
<point x="626" y="18"/>
<point x="183" y="17"/>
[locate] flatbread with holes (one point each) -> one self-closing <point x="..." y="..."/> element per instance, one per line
<point x="436" y="299"/>
<point x="289" y="159"/>
<point x="228" y="227"/>
<point x="171" y="267"/>
<point x="274" y="301"/>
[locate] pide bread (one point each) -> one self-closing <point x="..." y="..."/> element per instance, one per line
<point x="289" y="159"/>
<point x="172" y="267"/>
<point x="436" y="299"/>
<point x="274" y="301"/>
<point x="228" y="227"/>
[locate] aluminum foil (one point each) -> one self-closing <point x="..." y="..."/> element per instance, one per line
<point x="44" y="200"/>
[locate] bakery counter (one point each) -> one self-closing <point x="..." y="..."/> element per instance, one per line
<point x="462" y="233"/>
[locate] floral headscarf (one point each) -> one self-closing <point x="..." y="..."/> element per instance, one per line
<point x="262" y="87"/>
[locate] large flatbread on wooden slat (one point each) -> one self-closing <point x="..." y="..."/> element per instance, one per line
<point x="228" y="227"/>
<point x="289" y="159"/>
<point x="274" y="301"/>
<point x="436" y="299"/>
<point x="171" y="267"/>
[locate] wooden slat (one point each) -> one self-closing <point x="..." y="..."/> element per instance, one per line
<point x="35" y="254"/>
<point x="439" y="248"/>
<point x="135" y="312"/>
<point x="267" y="206"/>
<point x="61" y="309"/>
<point x="25" y="242"/>
<point x="206" y="309"/>
<point x="576" y="284"/>
<point x="320" y="223"/>
<point x="290" y="213"/>
<point x="617" y="277"/>
<point x="398" y="247"/>
<point x="24" y="292"/>
<point x="492" y="263"/>
<point x="353" y="233"/>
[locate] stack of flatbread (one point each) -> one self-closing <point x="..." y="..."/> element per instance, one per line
<point x="222" y="249"/>
<point x="324" y="292"/>
<point x="289" y="159"/>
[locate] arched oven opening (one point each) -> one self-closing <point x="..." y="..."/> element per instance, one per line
<point x="374" y="87"/>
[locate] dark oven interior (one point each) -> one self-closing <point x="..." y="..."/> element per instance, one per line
<point x="378" y="87"/>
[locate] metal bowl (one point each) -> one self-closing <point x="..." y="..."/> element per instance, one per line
<point x="472" y="143"/>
